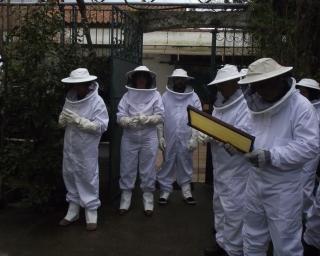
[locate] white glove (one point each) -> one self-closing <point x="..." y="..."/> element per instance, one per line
<point x="162" y="144"/>
<point x="129" y="122"/>
<point x="204" y="138"/>
<point x="230" y="149"/>
<point x="259" y="158"/>
<point x="70" y="116"/>
<point x="80" y="122"/>
<point x="192" y="144"/>
<point x="88" y="125"/>
<point x="62" y="120"/>
<point x="151" y="120"/>
<point x="162" y="141"/>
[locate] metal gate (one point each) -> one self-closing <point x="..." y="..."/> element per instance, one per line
<point x="116" y="48"/>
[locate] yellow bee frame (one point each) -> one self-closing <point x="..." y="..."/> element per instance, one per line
<point x="220" y="130"/>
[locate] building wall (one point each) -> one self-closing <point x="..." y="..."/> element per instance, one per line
<point x="160" y="65"/>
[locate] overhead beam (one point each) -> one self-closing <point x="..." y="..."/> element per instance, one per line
<point x="164" y="20"/>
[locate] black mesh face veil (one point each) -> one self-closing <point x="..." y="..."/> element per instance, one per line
<point x="151" y="81"/>
<point x="313" y="94"/>
<point x="256" y="103"/>
<point x="180" y="84"/>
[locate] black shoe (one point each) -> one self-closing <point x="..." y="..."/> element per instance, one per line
<point x="214" y="251"/>
<point x="148" y="213"/>
<point x="190" y="201"/>
<point x="123" y="211"/>
<point x="162" y="201"/>
<point x="310" y="250"/>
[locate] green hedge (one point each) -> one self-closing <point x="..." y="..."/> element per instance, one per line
<point x="31" y="152"/>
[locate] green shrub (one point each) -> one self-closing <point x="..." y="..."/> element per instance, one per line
<point x="31" y="154"/>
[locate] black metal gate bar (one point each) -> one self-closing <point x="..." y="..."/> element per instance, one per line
<point x="126" y="36"/>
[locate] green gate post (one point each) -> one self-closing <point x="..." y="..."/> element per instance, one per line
<point x="209" y="176"/>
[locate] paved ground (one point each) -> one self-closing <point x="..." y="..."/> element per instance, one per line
<point x="174" y="230"/>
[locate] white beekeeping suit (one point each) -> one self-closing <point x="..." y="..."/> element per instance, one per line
<point x="139" y="111"/>
<point x="286" y="133"/>
<point x="230" y="171"/>
<point x="84" y="120"/>
<point x="311" y="90"/>
<point x="312" y="234"/>
<point x="178" y="140"/>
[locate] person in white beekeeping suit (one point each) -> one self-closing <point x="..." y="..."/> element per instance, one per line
<point x="85" y="118"/>
<point x="311" y="90"/>
<point x="177" y="140"/>
<point x="286" y="132"/>
<point x="230" y="171"/>
<point x="311" y="236"/>
<point x="139" y="112"/>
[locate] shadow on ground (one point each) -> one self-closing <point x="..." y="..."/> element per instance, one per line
<point x="176" y="229"/>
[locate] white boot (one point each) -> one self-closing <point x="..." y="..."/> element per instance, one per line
<point x="125" y="201"/>
<point x="72" y="215"/>
<point x="91" y="219"/>
<point x="148" y="203"/>
<point x="187" y="195"/>
<point x="73" y="212"/>
<point x="163" y="199"/>
<point x="164" y="194"/>
<point x="186" y="191"/>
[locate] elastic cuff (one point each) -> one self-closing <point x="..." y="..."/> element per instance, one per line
<point x="274" y="158"/>
<point x="185" y="183"/>
<point x="166" y="190"/>
<point x="144" y="190"/>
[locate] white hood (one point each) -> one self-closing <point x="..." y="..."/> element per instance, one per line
<point x="181" y="96"/>
<point x="257" y="105"/>
<point x="220" y="104"/>
<point x="138" y="96"/>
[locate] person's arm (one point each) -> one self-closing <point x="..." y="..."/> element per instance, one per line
<point x="97" y="123"/>
<point x="303" y="147"/>
<point x="123" y="118"/>
<point x="100" y="118"/>
<point x="161" y="139"/>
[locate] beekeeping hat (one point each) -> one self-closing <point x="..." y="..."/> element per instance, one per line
<point x="226" y="73"/>
<point x="179" y="72"/>
<point x="263" y="69"/>
<point x="309" y="83"/>
<point x="79" y="75"/>
<point x="140" y="69"/>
